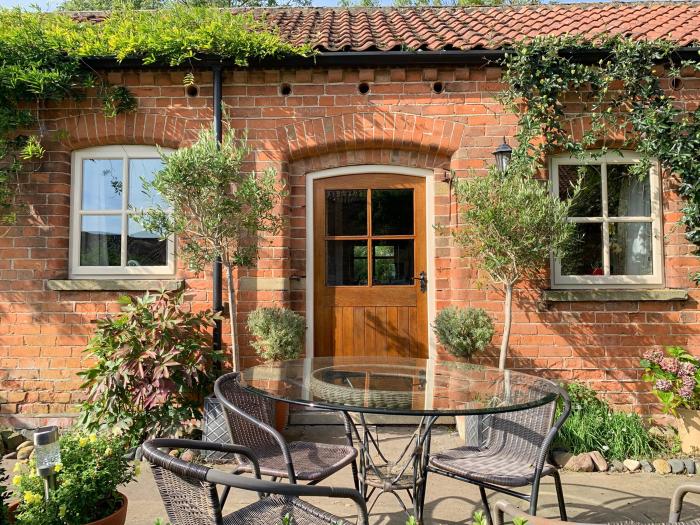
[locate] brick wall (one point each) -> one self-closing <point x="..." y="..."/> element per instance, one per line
<point x="325" y="122"/>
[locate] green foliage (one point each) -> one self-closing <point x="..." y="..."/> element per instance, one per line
<point x="42" y="58"/>
<point x="214" y="207"/>
<point x="593" y="425"/>
<point x="279" y="333"/>
<point x="151" y="368"/>
<point x="92" y="468"/>
<point x="463" y="331"/>
<point x="676" y="378"/>
<point x="622" y="91"/>
<point x="108" y="5"/>
<point x="4" y="497"/>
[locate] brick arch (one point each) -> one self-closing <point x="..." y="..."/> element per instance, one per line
<point x="94" y="129"/>
<point x="369" y="130"/>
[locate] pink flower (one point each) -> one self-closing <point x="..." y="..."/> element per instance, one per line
<point x="687" y="369"/>
<point x="669" y="364"/>
<point x="664" y="385"/>
<point x="685" y="392"/>
<point x="654" y="356"/>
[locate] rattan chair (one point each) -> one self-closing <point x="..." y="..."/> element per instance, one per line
<point x="190" y="495"/>
<point x="503" y="508"/>
<point x="249" y="419"/>
<point x="514" y="452"/>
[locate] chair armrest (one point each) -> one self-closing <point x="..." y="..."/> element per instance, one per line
<point x="674" y="515"/>
<point x="261" y="425"/>
<point x="504" y="508"/>
<point x="289" y="489"/>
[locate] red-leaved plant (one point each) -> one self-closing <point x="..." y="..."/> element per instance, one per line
<point x="151" y="368"/>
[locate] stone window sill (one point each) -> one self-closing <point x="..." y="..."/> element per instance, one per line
<point x="667" y="294"/>
<point x="109" y="285"/>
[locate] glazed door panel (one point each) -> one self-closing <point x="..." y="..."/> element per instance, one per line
<point x="369" y="257"/>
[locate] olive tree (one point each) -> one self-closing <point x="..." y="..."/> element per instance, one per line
<point x="214" y="208"/>
<point x="511" y="226"/>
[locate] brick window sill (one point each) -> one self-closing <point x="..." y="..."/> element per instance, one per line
<point x="667" y="294"/>
<point x="109" y="285"/>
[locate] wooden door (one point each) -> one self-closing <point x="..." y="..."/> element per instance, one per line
<point x="369" y="255"/>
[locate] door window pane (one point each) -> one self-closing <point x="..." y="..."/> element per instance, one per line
<point x="585" y="254"/>
<point x="392" y="262"/>
<point x="141" y="170"/>
<point x="346" y="263"/>
<point x="102" y="184"/>
<point x="100" y="240"/>
<point x="589" y="202"/>
<point x="392" y="212"/>
<point x="631" y="248"/>
<point x="144" y="248"/>
<point x="346" y="212"/>
<point x="628" y="195"/>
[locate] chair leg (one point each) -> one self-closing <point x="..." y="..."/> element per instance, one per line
<point x="355" y="478"/>
<point x="560" y="496"/>
<point x="534" y="496"/>
<point x="485" y="501"/>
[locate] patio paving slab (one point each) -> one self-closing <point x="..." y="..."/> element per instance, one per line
<point x="590" y="497"/>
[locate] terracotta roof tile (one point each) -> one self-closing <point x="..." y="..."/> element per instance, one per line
<point x="463" y="28"/>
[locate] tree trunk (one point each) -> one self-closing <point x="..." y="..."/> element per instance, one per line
<point x="507" y="311"/>
<point x="232" y="319"/>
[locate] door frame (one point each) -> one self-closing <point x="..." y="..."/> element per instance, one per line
<point x="363" y="169"/>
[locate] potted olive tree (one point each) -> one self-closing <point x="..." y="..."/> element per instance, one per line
<point x="278" y="336"/>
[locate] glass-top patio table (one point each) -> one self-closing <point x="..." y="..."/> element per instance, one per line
<point x="422" y="388"/>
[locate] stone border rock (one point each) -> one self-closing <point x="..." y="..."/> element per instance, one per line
<point x="596" y="462"/>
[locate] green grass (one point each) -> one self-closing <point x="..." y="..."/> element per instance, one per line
<point x="594" y="425"/>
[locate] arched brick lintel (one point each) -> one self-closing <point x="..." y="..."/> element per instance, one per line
<point x="94" y="129"/>
<point x="370" y="130"/>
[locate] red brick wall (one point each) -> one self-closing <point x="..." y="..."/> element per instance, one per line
<point x="324" y="123"/>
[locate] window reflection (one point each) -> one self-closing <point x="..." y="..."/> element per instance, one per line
<point x="103" y="184"/>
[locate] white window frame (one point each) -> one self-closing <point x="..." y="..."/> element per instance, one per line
<point x="656" y="279"/>
<point x="125" y="153"/>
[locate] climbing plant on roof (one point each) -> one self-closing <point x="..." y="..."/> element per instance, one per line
<point x="623" y="99"/>
<point x="45" y="56"/>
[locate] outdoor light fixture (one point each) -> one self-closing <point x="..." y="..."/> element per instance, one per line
<point x="502" y="154"/>
<point x="47" y="453"/>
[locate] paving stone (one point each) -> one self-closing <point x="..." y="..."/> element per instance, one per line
<point x="618" y="466"/>
<point x="10" y="455"/>
<point x="661" y="466"/>
<point x="580" y="463"/>
<point x="632" y="465"/>
<point x="677" y="466"/>
<point x="689" y="465"/>
<point x="599" y="461"/>
<point x="561" y="458"/>
<point x="646" y="466"/>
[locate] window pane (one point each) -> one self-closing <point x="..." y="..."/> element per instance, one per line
<point x="630" y="248"/>
<point x="589" y="202"/>
<point x="392" y="212"/>
<point x="393" y="262"/>
<point x="346" y="263"/>
<point x="102" y="184"/>
<point x="144" y="248"/>
<point x="143" y="170"/>
<point x="585" y="255"/>
<point x="101" y="240"/>
<point x="628" y="196"/>
<point x="346" y="212"/>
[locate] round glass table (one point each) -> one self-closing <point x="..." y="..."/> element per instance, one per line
<point x="357" y="386"/>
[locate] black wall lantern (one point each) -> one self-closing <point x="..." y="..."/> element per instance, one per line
<point x="503" y="154"/>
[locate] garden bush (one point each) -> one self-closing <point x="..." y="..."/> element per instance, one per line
<point x="594" y="425"/>
<point x="463" y="331"/>
<point x="152" y="368"/>
<point x="92" y="467"/>
<point x="278" y="332"/>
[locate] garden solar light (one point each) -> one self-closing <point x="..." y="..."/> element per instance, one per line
<point x="47" y="454"/>
<point x="502" y="154"/>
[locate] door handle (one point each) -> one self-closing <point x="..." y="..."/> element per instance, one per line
<point x="423" y="278"/>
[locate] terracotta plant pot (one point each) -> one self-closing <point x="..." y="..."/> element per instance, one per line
<point x="689" y="430"/>
<point x="281" y="415"/>
<point x="117" y="518"/>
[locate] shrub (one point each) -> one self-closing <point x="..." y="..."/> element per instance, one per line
<point x="675" y="375"/>
<point x="278" y="332"/>
<point x="151" y="368"/>
<point x="92" y="467"/>
<point x="463" y="331"/>
<point x="593" y="425"/>
<point x="4" y="497"/>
